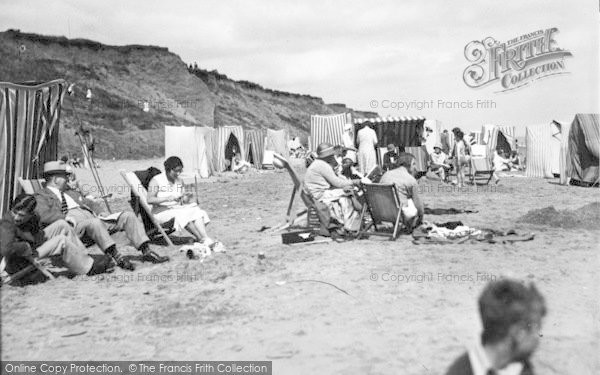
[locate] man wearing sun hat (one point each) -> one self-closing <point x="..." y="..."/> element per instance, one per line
<point x="321" y="182"/>
<point x="439" y="164"/>
<point x="54" y="204"/>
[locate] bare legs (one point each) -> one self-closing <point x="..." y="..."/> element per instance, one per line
<point x="198" y="230"/>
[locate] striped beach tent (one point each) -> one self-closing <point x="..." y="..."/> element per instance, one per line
<point x="580" y="152"/>
<point x="254" y="144"/>
<point x="403" y="131"/>
<point x="543" y="149"/>
<point x="29" y="123"/>
<point x="498" y="137"/>
<point x="190" y="144"/>
<point x="327" y="128"/>
<point x="225" y="140"/>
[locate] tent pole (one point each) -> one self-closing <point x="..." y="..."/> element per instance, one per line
<point x="90" y="160"/>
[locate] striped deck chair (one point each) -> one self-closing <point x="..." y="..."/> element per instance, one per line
<point x="384" y="206"/>
<point x="141" y="193"/>
<point x="32" y="186"/>
<point x="481" y="168"/>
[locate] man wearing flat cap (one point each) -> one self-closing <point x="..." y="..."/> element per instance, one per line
<point x="54" y="204"/>
<point x="321" y="182"/>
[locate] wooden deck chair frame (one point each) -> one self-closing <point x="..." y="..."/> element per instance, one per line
<point x="34" y="264"/>
<point x="476" y="172"/>
<point x="384" y="206"/>
<point x="140" y="192"/>
<point x="297" y="190"/>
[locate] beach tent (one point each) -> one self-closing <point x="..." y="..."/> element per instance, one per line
<point x="29" y="125"/>
<point x="498" y="137"/>
<point x="401" y="131"/>
<point x="226" y="141"/>
<point x="434" y="136"/>
<point x="277" y="141"/>
<point x="543" y="149"/>
<point x="580" y="151"/>
<point x="254" y="144"/>
<point x="192" y="144"/>
<point x="326" y="128"/>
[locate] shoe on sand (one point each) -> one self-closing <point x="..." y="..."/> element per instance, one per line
<point x="153" y="257"/>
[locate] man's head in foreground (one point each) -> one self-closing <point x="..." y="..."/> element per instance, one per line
<point x="407" y="161"/>
<point x="511" y="314"/>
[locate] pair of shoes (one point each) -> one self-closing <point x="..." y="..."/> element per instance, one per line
<point x="103" y="265"/>
<point x="153" y="257"/>
<point x="124" y="263"/>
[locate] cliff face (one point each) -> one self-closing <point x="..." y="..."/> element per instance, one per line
<point x="123" y="79"/>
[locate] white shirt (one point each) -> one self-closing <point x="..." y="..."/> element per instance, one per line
<point x="480" y="363"/>
<point x="165" y="188"/>
<point x="70" y="201"/>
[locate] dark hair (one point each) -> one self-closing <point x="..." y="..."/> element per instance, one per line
<point x="504" y="303"/>
<point x="459" y="135"/>
<point x="404" y="160"/>
<point x="24" y="202"/>
<point x="172" y="162"/>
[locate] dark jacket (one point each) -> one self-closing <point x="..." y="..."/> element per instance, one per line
<point x="17" y="242"/>
<point x="49" y="206"/>
<point x="462" y="366"/>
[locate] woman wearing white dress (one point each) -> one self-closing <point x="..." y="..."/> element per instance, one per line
<point x="367" y="141"/>
<point x="168" y="200"/>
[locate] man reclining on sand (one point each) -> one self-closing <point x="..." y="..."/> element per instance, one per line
<point x="55" y="202"/>
<point x="21" y="239"/>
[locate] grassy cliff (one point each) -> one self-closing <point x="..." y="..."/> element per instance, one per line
<point x="123" y="78"/>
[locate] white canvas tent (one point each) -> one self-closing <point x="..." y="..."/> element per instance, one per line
<point x="193" y="145"/>
<point x="543" y="149"/>
<point x="277" y="141"/>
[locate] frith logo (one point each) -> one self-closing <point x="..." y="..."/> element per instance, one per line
<point x="515" y="63"/>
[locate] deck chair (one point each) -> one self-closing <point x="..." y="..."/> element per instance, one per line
<point x="141" y="193"/>
<point x="31" y="186"/>
<point x="34" y="264"/>
<point x="482" y="169"/>
<point x="312" y="219"/>
<point x="384" y="206"/>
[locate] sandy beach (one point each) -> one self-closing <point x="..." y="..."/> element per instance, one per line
<point x="360" y="307"/>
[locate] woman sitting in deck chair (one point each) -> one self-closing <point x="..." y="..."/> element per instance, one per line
<point x="322" y="184"/>
<point x="168" y="200"/>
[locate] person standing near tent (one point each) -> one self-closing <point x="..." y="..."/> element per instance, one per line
<point x="168" y="200"/>
<point x="367" y="141"/>
<point x="461" y="155"/>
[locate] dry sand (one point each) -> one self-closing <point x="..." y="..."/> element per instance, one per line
<point x="235" y="306"/>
